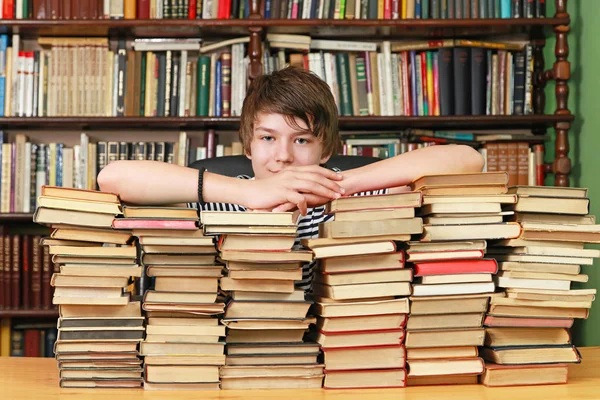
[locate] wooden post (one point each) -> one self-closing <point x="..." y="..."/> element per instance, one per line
<point x="254" y="48"/>
<point x="561" y="71"/>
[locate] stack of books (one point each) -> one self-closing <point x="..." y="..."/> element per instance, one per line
<point x="183" y="347"/>
<point x="453" y="281"/>
<point x="266" y="317"/>
<point x="99" y="326"/>
<point x="527" y="329"/>
<point x="361" y="287"/>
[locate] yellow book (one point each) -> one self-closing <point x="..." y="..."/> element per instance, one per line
<point x="380" y="7"/>
<point x="430" y="88"/>
<point x="5" y="337"/>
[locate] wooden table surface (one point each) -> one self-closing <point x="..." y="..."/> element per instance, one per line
<point x="37" y="378"/>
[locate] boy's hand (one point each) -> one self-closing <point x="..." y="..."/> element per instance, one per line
<point x="295" y="187"/>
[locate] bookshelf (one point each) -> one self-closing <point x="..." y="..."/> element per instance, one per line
<point x="51" y="313"/>
<point x="537" y="29"/>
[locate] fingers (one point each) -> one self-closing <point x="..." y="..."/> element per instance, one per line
<point x="285" y="207"/>
<point x="307" y="186"/>
<point x="297" y="199"/>
<point x="321" y="180"/>
<point x="315" y="201"/>
<point x="327" y="173"/>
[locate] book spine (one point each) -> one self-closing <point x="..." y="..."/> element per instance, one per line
<point x="226" y="84"/>
<point x="540" y="9"/>
<point x="218" y="89"/>
<point x="7" y="271"/>
<point x="2" y="302"/>
<point x="462" y="81"/>
<point x="478" y="80"/>
<point x="33" y="176"/>
<point x="36" y="273"/>
<point x="523" y="163"/>
<point x="168" y="83"/>
<point x="343" y="73"/>
<point x="513" y="163"/>
<point x="161" y="84"/>
<point x="46" y="275"/>
<point x="15" y="290"/>
<point x="529" y="8"/>
<point x="446" y="76"/>
<point x="26" y="271"/>
<point x="174" y="97"/>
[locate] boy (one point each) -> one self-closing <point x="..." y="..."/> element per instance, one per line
<point x="289" y="129"/>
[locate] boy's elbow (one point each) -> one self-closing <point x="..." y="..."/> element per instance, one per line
<point x="471" y="159"/>
<point x="108" y="178"/>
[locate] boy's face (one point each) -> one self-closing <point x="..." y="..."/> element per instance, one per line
<point x="276" y="145"/>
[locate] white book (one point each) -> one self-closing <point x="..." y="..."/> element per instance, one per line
<point x="159" y="8"/>
<point x="382" y="86"/>
<point x="67" y="169"/>
<point x="321" y="9"/>
<point x="182" y="149"/>
<point x="200" y="153"/>
<point x="453" y="288"/>
<point x="483" y="153"/>
<point x="307" y="6"/>
<point x="27" y="180"/>
<point x="18" y="9"/>
<point x="174" y="45"/>
<point x="357" y="4"/>
<point x="396" y="93"/>
<point x="342" y="45"/>
<point x="40" y="173"/>
<point x="183" y="82"/>
<point x="532" y="175"/>
<point x="106" y="9"/>
<point x="552" y="284"/>
<point x="220" y="150"/>
<point x="387" y="63"/>
<point x="211" y="91"/>
<point x="29" y="69"/>
<point x="42" y="78"/>
<point x="207" y="9"/>
<point x="245" y="62"/>
<point x="22" y="60"/>
<point x="109" y="79"/>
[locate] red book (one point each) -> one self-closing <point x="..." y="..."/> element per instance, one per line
<point x="36" y="272"/>
<point x="481" y="266"/>
<point x="26" y="272"/>
<point x="426" y="100"/>
<point x="191" y="9"/>
<point x="15" y="290"/>
<point x="227" y="11"/>
<point x="520" y="322"/>
<point x="46" y="275"/>
<point x="143" y="9"/>
<point x="32" y="343"/>
<point x="387" y="9"/>
<point x="405" y="83"/>
<point x="138" y="223"/>
<point x="221" y="9"/>
<point x="8" y="9"/>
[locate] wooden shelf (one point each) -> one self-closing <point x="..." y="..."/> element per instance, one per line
<point x="232" y="123"/>
<point x="314" y="27"/>
<point x="16" y="217"/>
<point x="52" y="313"/>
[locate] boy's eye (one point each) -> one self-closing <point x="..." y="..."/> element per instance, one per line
<point x="302" y="141"/>
<point x="267" y="138"/>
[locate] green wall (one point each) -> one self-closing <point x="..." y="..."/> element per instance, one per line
<point x="584" y="137"/>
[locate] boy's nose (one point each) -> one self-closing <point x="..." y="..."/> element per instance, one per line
<point x="284" y="154"/>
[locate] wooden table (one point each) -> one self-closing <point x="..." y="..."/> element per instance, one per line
<point x="37" y="378"/>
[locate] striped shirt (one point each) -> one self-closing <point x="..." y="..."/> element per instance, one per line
<point x="308" y="227"/>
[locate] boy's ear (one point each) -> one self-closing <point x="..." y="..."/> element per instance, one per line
<point x="324" y="159"/>
<point x="248" y="155"/>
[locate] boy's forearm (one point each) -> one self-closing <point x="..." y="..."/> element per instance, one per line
<point x="403" y="169"/>
<point x="156" y="183"/>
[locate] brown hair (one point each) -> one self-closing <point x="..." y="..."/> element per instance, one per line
<point x="293" y="92"/>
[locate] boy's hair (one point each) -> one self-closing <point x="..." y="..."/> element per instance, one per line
<point x="293" y="92"/>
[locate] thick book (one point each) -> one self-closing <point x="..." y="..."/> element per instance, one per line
<point x="497" y="375"/>
<point x="456" y="267"/>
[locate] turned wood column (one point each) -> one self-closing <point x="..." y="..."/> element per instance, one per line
<point x="561" y="71"/>
<point x="254" y="48"/>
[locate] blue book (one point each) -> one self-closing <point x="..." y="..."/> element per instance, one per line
<point x="246" y="9"/>
<point x="51" y="334"/>
<point x="267" y="11"/>
<point x="59" y="163"/>
<point x="218" y="79"/>
<point x="418" y="9"/>
<point x="505" y="11"/>
<point x="413" y="83"/>
<point x="3" y="47"/>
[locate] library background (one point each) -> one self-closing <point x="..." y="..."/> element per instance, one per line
<point x="85" y="83"/>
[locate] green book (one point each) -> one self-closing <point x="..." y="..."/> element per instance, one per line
<point x="361" y="79"/>
<point x="425" y="13"/>
<point x="203" y="86"/>
<point x="342" y="9"/>
<point x="143" y="85"/>
<point x="343" y="77"/>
